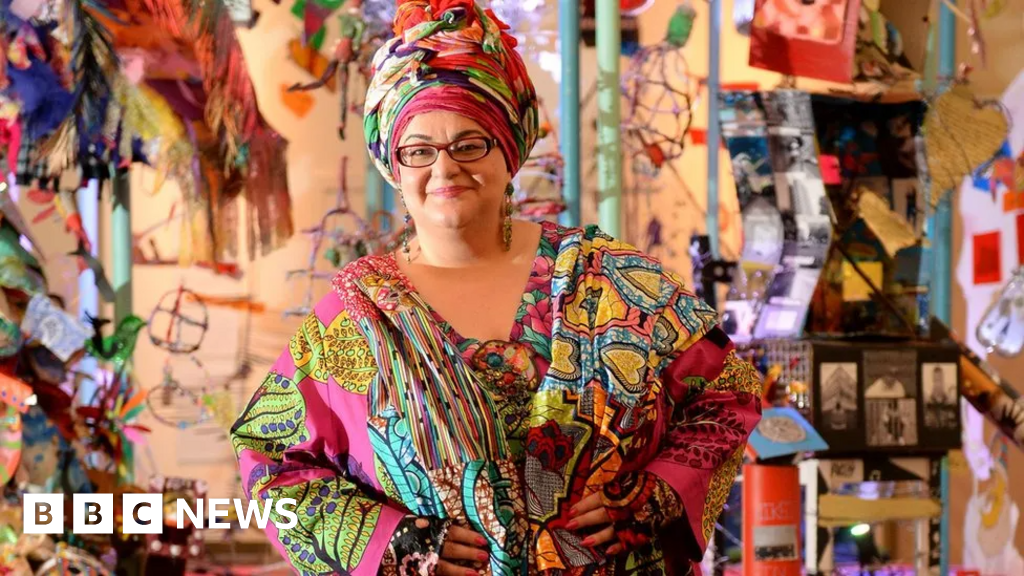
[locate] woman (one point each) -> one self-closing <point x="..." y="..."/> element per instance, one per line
<point x="432" y="416"/>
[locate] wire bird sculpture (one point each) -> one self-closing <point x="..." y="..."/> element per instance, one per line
<point x="346" y="243"/>
<point x="661" y="94"/>
<point x="540" y="182"/>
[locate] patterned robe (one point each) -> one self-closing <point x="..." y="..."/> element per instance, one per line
<point x="615" y="380"/>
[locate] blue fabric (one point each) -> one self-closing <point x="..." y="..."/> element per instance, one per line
<point x="44" y="102"/>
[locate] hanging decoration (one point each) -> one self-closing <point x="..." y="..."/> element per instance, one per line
<point x="58" y="331"/>
<point x="346" y="51"/>
<point x="961" y="134"/>
<point x="312" y="61"/>
<point x="179" y="322"/>
<point x="119" y="347"/>
<point x="1001" y="329"/>
<point x="540" y="181"/>
<point x="92" y="87"/>
<point x="340" y="237"/>
<point x="176" y="405"/>
<point x="660" y="93"/>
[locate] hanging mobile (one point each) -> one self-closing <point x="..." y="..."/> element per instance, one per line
<point x="179" y="322"/>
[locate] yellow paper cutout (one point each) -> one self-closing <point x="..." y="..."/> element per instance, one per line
<point x="855" y="288"/>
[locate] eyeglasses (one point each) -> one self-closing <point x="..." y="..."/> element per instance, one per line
<point x="463" y="150"/>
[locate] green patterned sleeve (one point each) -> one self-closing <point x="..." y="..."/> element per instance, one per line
<point x="303" y="436"/>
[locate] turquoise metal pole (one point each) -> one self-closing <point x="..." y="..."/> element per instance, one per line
<point x="609" y="147"/>
<point x="941" y="236"/>
<point x="121" y="243"/>
<point x="942" y="219"/>
<point x="569" y="108"/>
<point x="714" y="122"/>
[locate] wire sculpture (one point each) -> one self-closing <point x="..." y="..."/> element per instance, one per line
<point x="176" y="405"/>
<point x="346" y="51"/>
<point x="540" y="182"/>
<point x="661" y="94"/>
<point x="179" y="324"/>
<point x="359" y="238"/>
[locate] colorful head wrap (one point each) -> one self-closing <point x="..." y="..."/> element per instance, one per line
<point x="449" y="55"/>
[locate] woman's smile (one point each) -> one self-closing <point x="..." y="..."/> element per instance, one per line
<point x="449" y="192"/>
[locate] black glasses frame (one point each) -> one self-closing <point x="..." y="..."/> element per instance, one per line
<point x="489" y="144"/>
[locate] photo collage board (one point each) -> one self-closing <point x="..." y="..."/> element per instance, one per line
<point x="784" y="208"/>
<point x="902" y="398"/>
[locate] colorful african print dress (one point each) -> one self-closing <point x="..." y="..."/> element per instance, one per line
<point x="388" y="427"/>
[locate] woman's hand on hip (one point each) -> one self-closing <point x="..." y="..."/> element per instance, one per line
<point x="462" y="548"/>
<point x="591" y="513"/>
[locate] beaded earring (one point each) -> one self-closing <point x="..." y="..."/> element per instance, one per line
<point x="405" y="231"/>
<point x="507" y="226"/>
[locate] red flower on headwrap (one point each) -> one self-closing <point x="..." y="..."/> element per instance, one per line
<point x="412" y="13"/>
<point x="409" y="14"/>
<point x="441" y="6"/>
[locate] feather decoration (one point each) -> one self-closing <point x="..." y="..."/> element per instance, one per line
<point x="93" y="63"/>
<point x="231" y="105"/>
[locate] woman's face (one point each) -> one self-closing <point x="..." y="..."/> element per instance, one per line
<point x="450" y="194"/>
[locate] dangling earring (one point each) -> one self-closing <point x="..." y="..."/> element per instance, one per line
<point x="507" y="232"/>
<point x="405" y="231"/>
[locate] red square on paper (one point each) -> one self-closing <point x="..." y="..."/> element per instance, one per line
<point x="987" y="261"/>
<point x="1020" y="238"/>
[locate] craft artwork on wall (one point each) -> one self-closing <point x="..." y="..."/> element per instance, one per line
<point x="300" y="103"/>
<point x="989" y="270"/>
<point x="989" y="207"/>
<point x="311" y="60"/>
<point x="810" y="39"/>
<point x="993" y="517"/>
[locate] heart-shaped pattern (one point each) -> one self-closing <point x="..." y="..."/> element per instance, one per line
<point x="628" y="365"/>
<point x="961" y="134"/>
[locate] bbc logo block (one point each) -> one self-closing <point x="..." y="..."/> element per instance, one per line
<point x="148" y="513"/>
<point x="93" y="514"/>
<point x="44" y="514"/>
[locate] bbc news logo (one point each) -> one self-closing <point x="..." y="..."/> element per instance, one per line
<point x="144" y="513"/>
